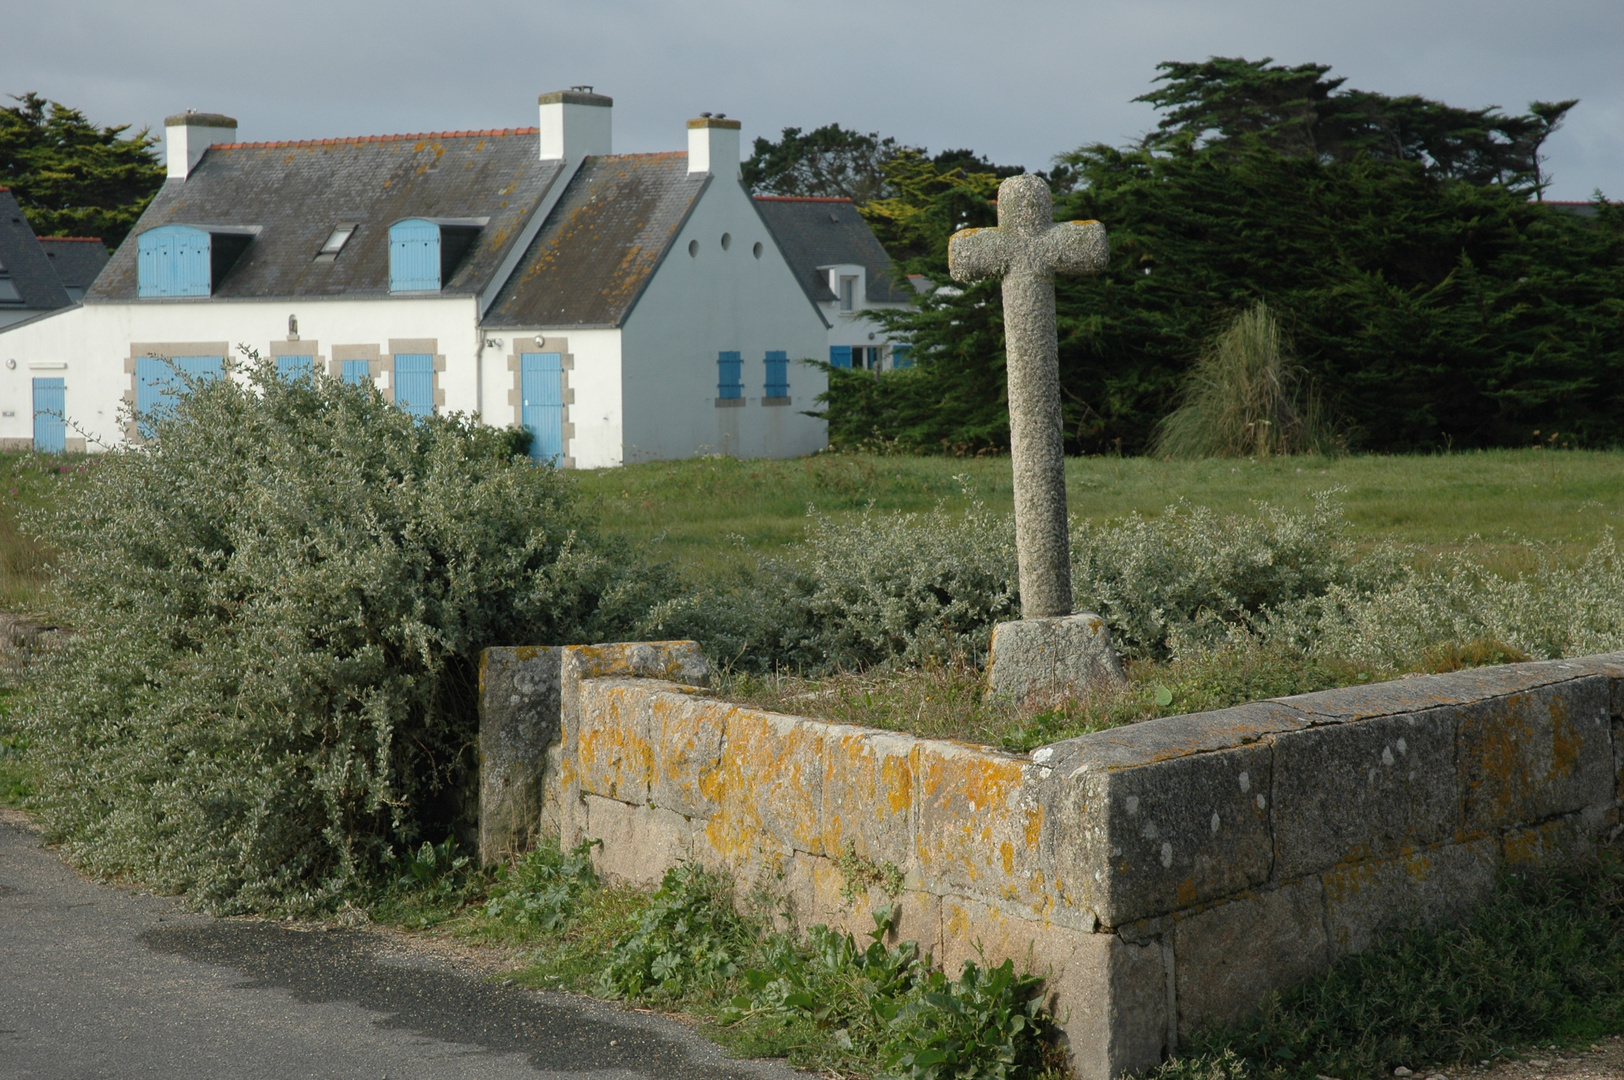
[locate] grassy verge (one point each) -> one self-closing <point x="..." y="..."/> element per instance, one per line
<point x="17" y="777"/>
<point x="27" y="481"/>
<point x="1541" y="963"/>
<point x="947" y="701"/>
<point x="823" y="1000"/>
<point x="1486" y="501"/>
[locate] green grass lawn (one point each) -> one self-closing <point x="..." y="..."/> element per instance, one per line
<point x="1559" y="497"/>
<point x="27" y="481"/>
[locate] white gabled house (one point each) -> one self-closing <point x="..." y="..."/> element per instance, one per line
<point x="624" y="307"/>
<point x="845" y="272"/>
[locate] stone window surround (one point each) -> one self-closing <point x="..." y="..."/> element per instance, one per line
<point x="522" y="343"/>
<point x="431" y="346"/>
<point x="299" y="348"/>
<point x="371" y="354"/>
<point x="140" y="349"/>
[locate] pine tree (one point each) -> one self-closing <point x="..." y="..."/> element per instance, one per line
<point x="71" y="177"/>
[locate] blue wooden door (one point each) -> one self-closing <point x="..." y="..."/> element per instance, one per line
<point x="295" y="367"/>
<point x="541" y="389"/>
<point x="357" y="372"/>
<point x="50" y="416"/>
<point x="414" y="383"/>
<point x="157" y="384"/>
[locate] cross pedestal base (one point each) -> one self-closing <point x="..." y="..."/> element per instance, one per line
<point x="1047" y="658"/>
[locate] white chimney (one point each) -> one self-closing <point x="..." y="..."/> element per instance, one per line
<point x="713" y="146"/>
<point x="188" y="134"/>
<point x="574" y="123"/>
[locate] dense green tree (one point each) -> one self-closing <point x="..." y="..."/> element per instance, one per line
<point x="71" y="177"/>
<point x="828" y="162"/>
<point x="1299" y="112"/>
<point x="1431" y="301"/>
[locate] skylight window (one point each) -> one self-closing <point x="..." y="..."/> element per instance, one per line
<point x="336" y="240"/>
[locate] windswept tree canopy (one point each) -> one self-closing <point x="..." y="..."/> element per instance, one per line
<point x="1300" y="112"/>
<point x="71" y="177"/>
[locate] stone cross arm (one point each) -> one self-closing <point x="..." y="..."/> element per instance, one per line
<point x="1027" y="240"/>
<point x="1069" y="247"/>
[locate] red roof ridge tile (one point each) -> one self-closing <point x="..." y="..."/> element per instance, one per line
<point x="486" y="133"/>
<point x="798" y="198"/>
<point x="76" y="239"/>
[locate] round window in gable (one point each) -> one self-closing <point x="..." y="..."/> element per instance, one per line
<point x="727" y="240"/>
<point x="757" y="249"/>
<point x="693" y="249"/>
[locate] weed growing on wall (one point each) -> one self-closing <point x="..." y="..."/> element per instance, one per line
<point x="278" y="603"/>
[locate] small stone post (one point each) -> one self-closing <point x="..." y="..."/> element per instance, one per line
<point x="1049" y="651"/>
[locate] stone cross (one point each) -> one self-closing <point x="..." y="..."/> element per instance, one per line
<point x="1027" y="250"/>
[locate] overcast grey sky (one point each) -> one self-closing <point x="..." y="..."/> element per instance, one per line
<point x="1018" y="80"/>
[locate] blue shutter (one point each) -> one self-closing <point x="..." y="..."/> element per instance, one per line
<point x="172" y="260"/>
<point x="901" y="357"/>
<point x="414" y="383"/>
<point x="777" y="374"/>
<point x="157" y="384"/>
<point x="295" y="367"/>
<point x="541" y="389"/>
<point x="729" y="375"/>
<point x="357" y="372"/>
<point x="50" y="416"/>
<point x="840" y="356"/>
<point x="414" y="256"/>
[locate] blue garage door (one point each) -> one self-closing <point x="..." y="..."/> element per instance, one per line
<point x="541" y="389"/>
<point x="50" y="410"/>
<point x="157" y="384"/>
<point x="414" y="383"/>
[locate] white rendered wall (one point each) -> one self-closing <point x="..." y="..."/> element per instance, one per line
<point x="697" y="306"/>
<point x="93" y="342"/>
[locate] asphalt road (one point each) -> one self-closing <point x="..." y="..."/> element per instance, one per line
<point x="100" y="982"/>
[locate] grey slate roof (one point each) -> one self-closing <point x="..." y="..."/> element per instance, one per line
<point x="601" y="244"/>
<point x="819" y="232"/>
<point x="24" y="263"/>
<point x="76" y="259"/>
<point x="294" y="193"/>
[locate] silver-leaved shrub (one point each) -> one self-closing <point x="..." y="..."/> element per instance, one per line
<point x="277" y="604"/>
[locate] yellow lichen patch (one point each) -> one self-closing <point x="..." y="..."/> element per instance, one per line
<point x="1418" y="866"/>
<point x="1187" y="893"/>
<point x="1344" y="881"/>
<point x="1565" y="742"/>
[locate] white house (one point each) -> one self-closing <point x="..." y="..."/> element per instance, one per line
<point x="845" y="272"/>
<point x="624" y="307"/>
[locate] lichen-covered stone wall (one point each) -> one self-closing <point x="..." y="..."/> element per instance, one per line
<point x="1161" y="875"/>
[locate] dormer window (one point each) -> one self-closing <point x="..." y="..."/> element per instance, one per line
<point x="336" y="240"/>
<point x="424" y="252"/>
<point x="848" y="292"/>
<point x="184" y="260"/>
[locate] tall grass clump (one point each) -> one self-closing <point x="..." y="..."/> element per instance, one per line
<point x="1246" y="397"/>
<point x="277" y="604"/>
